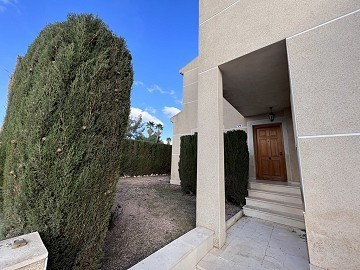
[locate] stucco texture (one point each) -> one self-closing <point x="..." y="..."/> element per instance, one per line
<point x="250" y="25"/>
<point x="330" y="171"/>
<point x="210" y="197"/>
<point x="325" y="83"/>
<point x="325" y="71"/>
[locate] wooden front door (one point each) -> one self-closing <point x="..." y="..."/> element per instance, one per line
<point x="269" y="152"/>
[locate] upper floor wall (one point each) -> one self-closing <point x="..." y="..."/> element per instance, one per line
<point x="190" y="79"/>
<point x="230" y="29"/>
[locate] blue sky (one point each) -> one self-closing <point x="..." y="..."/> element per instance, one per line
<point x="162" y="36"/>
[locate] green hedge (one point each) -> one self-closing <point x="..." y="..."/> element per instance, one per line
<point x="236" y="165"/>
<point x="2" y="162"/>
<point x="188" y="163"/>
<point x="236" y="155"/>
<point x="144" y="158"/>
<point x="68" y="109"/>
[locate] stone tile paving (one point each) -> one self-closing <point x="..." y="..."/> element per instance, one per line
<point x="257" y="244"/>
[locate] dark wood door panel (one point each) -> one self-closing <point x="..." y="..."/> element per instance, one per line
<point x="270" y="161"/>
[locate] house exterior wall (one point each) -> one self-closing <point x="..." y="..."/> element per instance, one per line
<point x="325" y="89"/>
<point x="322" y="126"/>
<point x="324" y="66"/>
<point x="229" y="29"/>
<point x="291" y="153"/>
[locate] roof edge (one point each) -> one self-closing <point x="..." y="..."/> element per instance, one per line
<point x="193" y="64"/>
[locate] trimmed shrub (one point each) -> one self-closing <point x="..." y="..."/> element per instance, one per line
<point x="236" y="155"/>
<point x="145" y="158"/>
<point x="188" y="163"/>
<point x="2" y="162"/>
<point x="68" y="110"/>
<point x="236" y="165"/>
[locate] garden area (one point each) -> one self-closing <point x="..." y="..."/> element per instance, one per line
<point x="148" y="214"/>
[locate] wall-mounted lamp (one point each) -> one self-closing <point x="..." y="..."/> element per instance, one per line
<point x="271" y="115"/>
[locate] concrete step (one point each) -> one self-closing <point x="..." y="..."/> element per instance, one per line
<point x="275" y="196"/>
<point x="275" y="186"/>
<point x="289" y="208"/>
<point x="292" y="220"/>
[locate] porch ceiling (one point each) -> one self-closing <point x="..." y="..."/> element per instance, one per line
<point x="258" y="80"/>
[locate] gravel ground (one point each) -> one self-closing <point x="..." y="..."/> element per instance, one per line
<point x="149" y="214"/>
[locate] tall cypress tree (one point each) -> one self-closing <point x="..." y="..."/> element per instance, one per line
<point x="68" y="108"/>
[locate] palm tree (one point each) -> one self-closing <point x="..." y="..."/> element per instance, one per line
<point x="168" y="140"/>
<point x="159" y="128"/>
<point x="150" y="125"/>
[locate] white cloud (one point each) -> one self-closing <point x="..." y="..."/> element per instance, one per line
<point x="170" y="111"/>
<point x="140" y="83"/>
<point x="5" y="3"/>
<point x="154" y="88"/>
<point x="146" y="117"/>
<point x="157" y="88"/>
<point x="150" y="110"/>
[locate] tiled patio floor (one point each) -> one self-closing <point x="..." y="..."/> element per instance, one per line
<point x="257" y="244"/>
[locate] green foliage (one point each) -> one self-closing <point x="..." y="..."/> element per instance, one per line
<point x="135" y="128"/>
<point x="145" y="158"/>
<point x="188" y="163"/>
<point x="236" y="157"/>
<point x="2" y="162"/>
<point x="68" y="109"/>
<point x="236" y="165"/>
<point x="153" y="136"/>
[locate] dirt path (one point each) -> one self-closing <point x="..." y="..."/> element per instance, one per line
<point x="150" y="213"/>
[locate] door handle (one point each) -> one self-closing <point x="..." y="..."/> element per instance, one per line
<point x="280" y="153"/>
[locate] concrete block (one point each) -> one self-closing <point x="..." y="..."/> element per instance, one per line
<point x="32" y="256"/>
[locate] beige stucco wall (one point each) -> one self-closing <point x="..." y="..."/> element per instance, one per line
<point x="325" y="87"/>
<point x="291" y="153"/>
<point x="230" y="29"/>
<point x="232" y="118"/>
<point x="210" y="190"/>
<point x="185" y="122"/>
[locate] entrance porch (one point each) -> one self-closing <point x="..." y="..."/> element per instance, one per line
<point x="257" y="244"/>
<point x="253" y="84"/>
